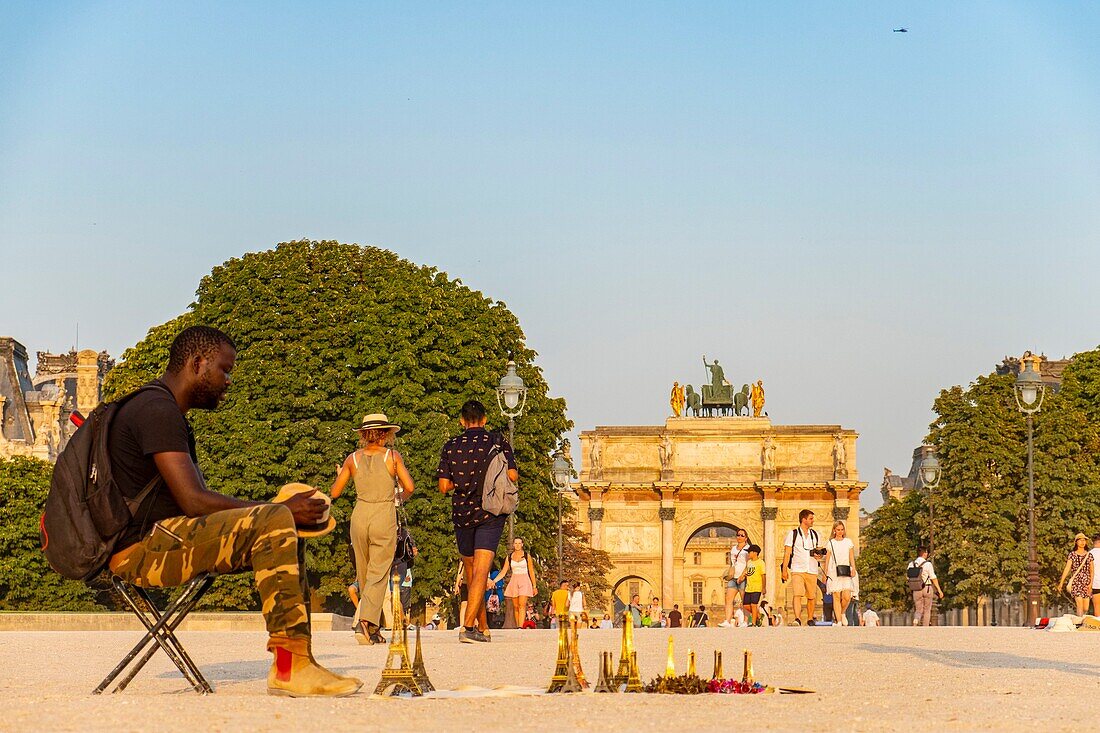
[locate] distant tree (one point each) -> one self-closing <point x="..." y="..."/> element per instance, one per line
<point x="889" y="543"/>
<point x="327" y="332"/>
<point x="26" y="581"/>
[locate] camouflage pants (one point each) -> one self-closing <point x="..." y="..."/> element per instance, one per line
<point x="261" y="538"/>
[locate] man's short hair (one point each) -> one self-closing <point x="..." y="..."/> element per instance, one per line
<point x="922" y="550"/>
<point x="754" y="548"/>
<point x="473" y="411"/>
<point x="1096" y="537"/>
<point x="201" y="341"/>
<point x="804" y="513"/>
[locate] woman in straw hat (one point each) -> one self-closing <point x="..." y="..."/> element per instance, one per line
<point x="375" y="467"/>
<point x="1079" y="571"/>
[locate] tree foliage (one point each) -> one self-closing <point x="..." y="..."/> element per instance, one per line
<point x="26" y="581"/>
<point x="582" y="563"/>
<point x="980" y="507"/>
<point x="889" y="543"/>
<point x="327" y="332"/>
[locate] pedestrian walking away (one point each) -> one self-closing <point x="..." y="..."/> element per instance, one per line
<point x="380" y="480"/>
<point x="184" y="528"/>
<point x="461" y="473"/>
<point x="923" y="583"/>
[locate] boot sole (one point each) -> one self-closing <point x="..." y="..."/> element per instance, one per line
<point x="287" y="693"/>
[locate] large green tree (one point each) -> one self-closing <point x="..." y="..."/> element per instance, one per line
<point x="327" y="332"/>
<point x="26" y="581"/>
<point x="978" y="515"/>
<point x="889" y="543"/>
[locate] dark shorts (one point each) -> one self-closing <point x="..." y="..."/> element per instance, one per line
<point x="751" y="599"/>
<point x="485" y="536"/>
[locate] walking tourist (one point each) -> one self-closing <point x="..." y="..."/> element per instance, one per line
<point x="606" y="622"/>
<point x="559" y="600"/>
<point x="754" y="577"/>
<point x="840" y="569"/>
<point x="463" y="596"/>
<point x="800" y="565"/>
<point x="635" y="609"/>
<point x="675" y="618"/>
<point x="735" y="589"/>
<point x="477" y="532"/>
<point x="922" y="582"/>
<point x="1095" y="552"/>
<point x="189" y="529"/>
<point x="375" y="467"/>
<point x="700" y="618"/>
<point x="521" y="583"/>
<point x="655" y="610"/>
<point x="494" y="596"/>
<point x="1079" y="570"/>
<point x="870" y="618"/>
<point x="576" y="601"/>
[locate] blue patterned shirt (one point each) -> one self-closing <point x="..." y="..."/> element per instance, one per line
<point x="462" y="463"/>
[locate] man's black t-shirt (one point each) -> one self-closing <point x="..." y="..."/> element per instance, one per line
<point x="674" y="619"/>
<point x="700" y="618"/>
<point x="147" y="424"/>
<point x="462" y="463"/>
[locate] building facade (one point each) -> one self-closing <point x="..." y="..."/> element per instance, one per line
<point x="665" y="501"/>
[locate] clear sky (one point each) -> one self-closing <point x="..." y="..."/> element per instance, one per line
<point x="856" y="216"/>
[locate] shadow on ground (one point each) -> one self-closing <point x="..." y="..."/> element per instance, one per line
<point x="983" y="660"/>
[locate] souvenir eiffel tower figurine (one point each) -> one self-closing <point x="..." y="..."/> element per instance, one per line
<point x="574" y="653"/>
<point x="748" y="678"/>
<point x="718" y="674"/>
<point x="605" y="683"/>
<point x="420" y="672"/>
<point x="623" y="673"/>
<point x="399" y="677"/>
<point x="565" y="677"/>
<point x="670" y="665"/>
<point x="691" y="663"/>
<point x="634" y="680"/>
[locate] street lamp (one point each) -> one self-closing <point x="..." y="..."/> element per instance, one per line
<point x="561" y="472"/>
<point x="511" y="399"/>
<point x="1029" y="390"/>
<point x="930" y="479"/>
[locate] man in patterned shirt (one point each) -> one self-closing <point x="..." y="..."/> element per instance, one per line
<point x="477" y="532"/>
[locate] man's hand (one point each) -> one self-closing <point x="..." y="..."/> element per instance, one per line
<point x="306" y="508"/>
<point x="786" y="574"/>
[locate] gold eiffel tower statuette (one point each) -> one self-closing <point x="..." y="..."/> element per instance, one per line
<point x="563" y="663"/>
<point x="634" y="680"/>
<point x="574" y="653"/>
<point x="571" y="682"/>
<point x="718" y="674"/>
<point x="747" y="678"/>
<point x="605" y="683"/>
<point x="420" y="672"/>
<point x="399" y="677"/>
<point x="623" y="673"/>
<point x="670" y="665"/>
<point x="691" y="663"/>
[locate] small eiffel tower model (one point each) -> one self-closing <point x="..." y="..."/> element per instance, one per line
<point x="691" y="663"/>
<point x="605" y="683"/>
<point x="623" y="673"/>
<point x="574" y="653"/>
<point x="399" y="677"/>
<point x="718" y="674"/>
<point x="565" y="677"/>
<point x="420" y="672"/>
<point x="634" y="680"/>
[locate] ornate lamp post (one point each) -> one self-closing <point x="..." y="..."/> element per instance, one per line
<point x="562" y="472"/>
<point x="511" y="398"/>
<point x="930" y="479"/>
<point x="1029" y="389"/>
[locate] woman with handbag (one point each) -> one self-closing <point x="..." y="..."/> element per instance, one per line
<point x="1079" y="571"/>
<point x="380" y="479"/>
<point x="840" y="568"/>
<point x="735" y="589"/>
<point x="522" y="584"/>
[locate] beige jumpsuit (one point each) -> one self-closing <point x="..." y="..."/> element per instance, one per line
<point x="373" y="532"/>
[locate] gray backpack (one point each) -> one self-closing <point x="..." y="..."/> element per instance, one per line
<point x="498" y="494"/>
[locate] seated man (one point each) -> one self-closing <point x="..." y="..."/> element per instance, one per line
<point x="183" y="528"/>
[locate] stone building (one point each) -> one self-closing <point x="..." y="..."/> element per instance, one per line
<point x="34" y="411"/>
<point x="665" y="501"/>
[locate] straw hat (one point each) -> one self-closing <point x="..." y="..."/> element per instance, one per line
<point x="1080" y="536"/>
<point x="323" y="527"/>
<point x="377" y="421"/>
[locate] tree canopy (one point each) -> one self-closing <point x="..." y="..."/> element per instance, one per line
<point x="980" y="507"/>
<point x="326" y="333"/>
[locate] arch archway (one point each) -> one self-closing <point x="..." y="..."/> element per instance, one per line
<point x="627" y="586"/>
<point x="705" y="558"/>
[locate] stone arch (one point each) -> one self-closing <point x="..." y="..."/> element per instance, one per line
<point x="622" y="584"/>
<point x="723" y="530"/>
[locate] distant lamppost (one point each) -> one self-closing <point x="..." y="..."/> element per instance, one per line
<point x="561" y="472"/>
<point x="930" y="479"/>
<point x="511" y="398"/>
<point x="1029" y="389"/>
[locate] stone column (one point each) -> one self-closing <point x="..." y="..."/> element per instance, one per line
<point x="667" y="514"/>
<point x="771" y="560"/>
<point x="595" y="519"/>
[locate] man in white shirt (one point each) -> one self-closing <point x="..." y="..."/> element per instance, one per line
<point x="800" y="564"/>
<point x="922" y="599"/>
<point x="870" y="618"/>
<point x="1095" y="552"/>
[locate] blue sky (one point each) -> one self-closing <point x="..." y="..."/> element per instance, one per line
<point x="856" y="216"/>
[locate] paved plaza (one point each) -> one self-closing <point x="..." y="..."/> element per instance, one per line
<point x="865" y="679"/>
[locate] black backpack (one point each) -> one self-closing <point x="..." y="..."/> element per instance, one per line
<point x="914" y="574"/>
<point x="85" y="511"/>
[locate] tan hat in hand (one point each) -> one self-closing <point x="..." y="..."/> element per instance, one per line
<point x="323" y="527"/>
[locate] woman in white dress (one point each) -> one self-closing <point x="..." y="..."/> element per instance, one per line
<point x="840" y="568"/>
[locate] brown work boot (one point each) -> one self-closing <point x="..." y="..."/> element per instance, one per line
<point x="294" y="673"/>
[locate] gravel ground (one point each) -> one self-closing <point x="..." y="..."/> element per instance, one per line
<point x="865" y="679"/>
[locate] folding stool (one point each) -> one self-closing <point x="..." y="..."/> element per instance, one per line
<point x="160" y="628"/>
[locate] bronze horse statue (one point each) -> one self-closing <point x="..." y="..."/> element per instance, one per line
<point x="694" y="402"/>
